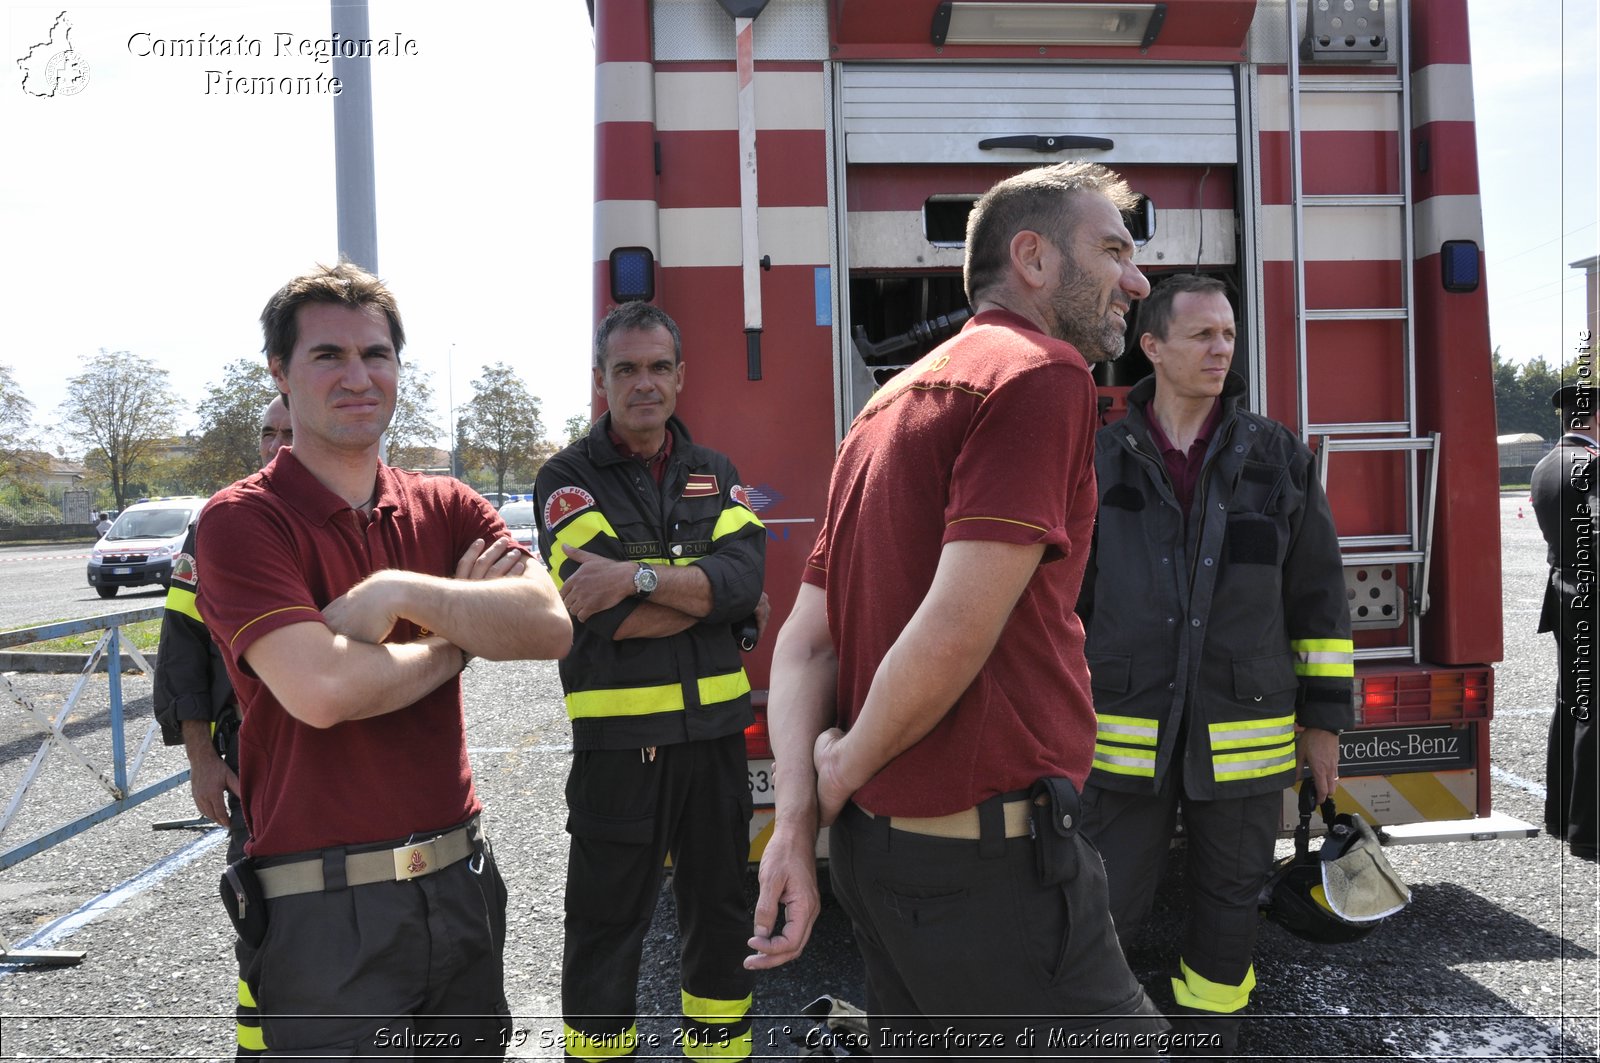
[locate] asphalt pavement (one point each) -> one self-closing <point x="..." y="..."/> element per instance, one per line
<point x="1496" y="958"/>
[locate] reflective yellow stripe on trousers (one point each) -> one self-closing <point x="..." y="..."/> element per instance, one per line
<point x="706" y="1012"/>
<point x="1202" y="994"/>
<point x="601" y="1046"/>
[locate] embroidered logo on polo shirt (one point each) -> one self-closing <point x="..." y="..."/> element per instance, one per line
<point x="564" y="503"/>
<point x="739" y="495"/>
<point x="700" y="485"/>
<point x="183" y="571"/>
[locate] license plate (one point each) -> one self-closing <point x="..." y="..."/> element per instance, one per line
<point x="122" y="572"/>
<point x="762" y="791"/>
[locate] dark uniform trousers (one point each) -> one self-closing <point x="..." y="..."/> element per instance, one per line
<point x="627" y="812"/>
<point x="970" y="954"/>
<point x="407" y="969"/>
<point x="1229" y="849"/>
<point x="1572" y="779"/>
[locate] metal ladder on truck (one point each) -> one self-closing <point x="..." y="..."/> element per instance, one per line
<point x="1373" y="562"/>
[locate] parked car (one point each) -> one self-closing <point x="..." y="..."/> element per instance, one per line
<point x="519" y="517"/>
<point x="140" y="547"/>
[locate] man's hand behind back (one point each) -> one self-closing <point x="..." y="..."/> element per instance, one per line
<point x="788" y="877"/>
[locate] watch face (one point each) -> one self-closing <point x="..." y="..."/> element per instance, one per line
<point x="645" y="580"/>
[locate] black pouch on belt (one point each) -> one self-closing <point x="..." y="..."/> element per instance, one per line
<point x="1055" y="830"/>
<point x="245" y="902"/>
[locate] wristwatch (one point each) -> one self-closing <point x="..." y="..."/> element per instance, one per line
<point x="645" y="580"/>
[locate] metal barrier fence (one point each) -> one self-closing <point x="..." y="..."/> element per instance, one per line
<point x="119" y="776"/>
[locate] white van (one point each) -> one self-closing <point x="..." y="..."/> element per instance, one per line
<point x="142" y="543"/>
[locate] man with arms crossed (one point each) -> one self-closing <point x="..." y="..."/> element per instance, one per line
<point x="935" y="626"/>
<point x="1218" y="628"/>
<point x="196" y="708"/>
<point x="346" y="597"/>
<point x="658" y="556"/>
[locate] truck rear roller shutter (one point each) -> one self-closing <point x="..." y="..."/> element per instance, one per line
<point x="939" y="113"/>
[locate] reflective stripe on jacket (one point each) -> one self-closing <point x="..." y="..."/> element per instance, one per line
<point x="653" y="691"/>
<point x="1231" y="630"/>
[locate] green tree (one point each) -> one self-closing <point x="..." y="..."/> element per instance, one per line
<point x="576" y="427"/>
<point x="122" y="408"/>
<point x="230" y="425"/>
<point x="501" y="426"/>
<point x="412" y="431"/>
<point x="16" y="415"/>
<point x="1522" y="396"/>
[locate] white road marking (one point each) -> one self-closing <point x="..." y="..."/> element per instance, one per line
<point x="71" y="923"/>
<point x="1497" y="772"/>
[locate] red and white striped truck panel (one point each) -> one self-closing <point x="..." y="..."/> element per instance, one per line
<point x="861" y="119"/>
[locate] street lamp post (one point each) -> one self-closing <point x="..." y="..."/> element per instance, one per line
<point x="450" y="400"/>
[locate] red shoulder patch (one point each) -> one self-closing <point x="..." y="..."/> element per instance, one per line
<point x="741" y="496"/>
<point x="564" y="503"/>
<point x="184" y="572"/>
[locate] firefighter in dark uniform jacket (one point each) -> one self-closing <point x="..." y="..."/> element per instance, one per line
<point x="659" y="558"/>
<point x="196" y="708"/>
<point x="1217" y="628"/>
<point x="1564" y="501"/>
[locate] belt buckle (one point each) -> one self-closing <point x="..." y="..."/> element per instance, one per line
<point x="412" y="861"/>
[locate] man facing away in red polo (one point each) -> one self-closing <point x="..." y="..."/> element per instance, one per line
<point x="930" y="697"/>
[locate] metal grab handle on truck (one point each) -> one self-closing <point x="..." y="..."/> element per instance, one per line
<point x="1043" y="143"/>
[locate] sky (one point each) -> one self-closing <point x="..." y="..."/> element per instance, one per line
<point x="154" y="212"/>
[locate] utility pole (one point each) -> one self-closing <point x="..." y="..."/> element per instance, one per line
<point x="354" y="171"/>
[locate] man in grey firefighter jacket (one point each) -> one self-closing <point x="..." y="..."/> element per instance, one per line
<point x="1218" y="641"/>
<point x="658" y="557"/>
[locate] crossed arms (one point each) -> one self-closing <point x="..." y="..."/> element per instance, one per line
<point x="494" y="607"/>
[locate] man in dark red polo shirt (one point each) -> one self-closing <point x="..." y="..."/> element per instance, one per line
<point x="935" y="628"/>
<point x="347" y="597"/>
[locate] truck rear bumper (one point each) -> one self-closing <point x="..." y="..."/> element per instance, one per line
<point x="1485" y="828"/>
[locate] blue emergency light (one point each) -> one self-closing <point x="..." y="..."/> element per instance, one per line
<point x="633" y="275"/>
<point x="1458" y="265"/>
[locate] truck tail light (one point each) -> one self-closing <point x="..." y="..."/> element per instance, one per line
<point x="757" y="743"/>
<point x="1423" y="696"/>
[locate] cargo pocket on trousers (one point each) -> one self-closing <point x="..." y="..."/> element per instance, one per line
<point x="609" y="866"/>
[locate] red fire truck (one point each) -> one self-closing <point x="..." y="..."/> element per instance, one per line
<point x="790" y="180"/>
